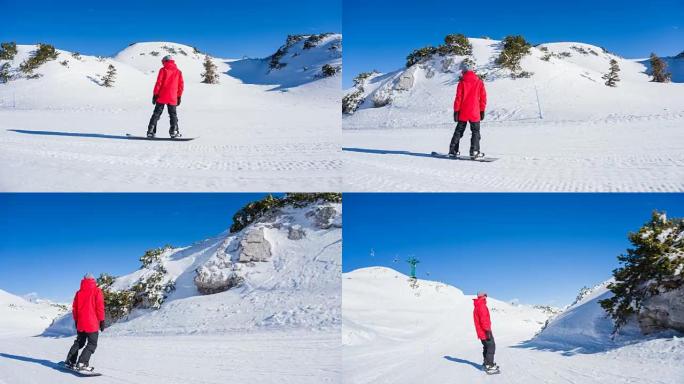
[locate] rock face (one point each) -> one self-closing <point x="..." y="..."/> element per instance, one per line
<point x="324" y="217"/>
<point x="406" y="80"/>
<point x="296" y="232"/>
<point x="254" y="247"/>
<point x="664" y="311"/>
<point x="213" y="280"/>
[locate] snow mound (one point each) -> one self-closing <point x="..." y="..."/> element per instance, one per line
<point x="565" y="85"/>
<point x="297" y="287"/>
<point x="21" y="317"/>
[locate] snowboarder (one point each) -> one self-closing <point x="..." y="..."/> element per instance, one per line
<point x="483" y="327"/>
<point x="167" y="91"/>
<point x="89" y="314"/>
<point x="469" y="107"/>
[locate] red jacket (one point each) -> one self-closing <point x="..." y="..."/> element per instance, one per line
<point x="88" y="307"/>
<point x="169" y="85"/>
<point x="481" y="317"/>
<point x="471" y="97"/>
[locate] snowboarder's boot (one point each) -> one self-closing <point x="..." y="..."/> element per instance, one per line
<point x="69" y="365"/>
<point x="491" y="368"/>
<point x="84" y="367"/>
<point x="174" y="133"/>
<point x="474" y="155"/>
<point x="454" y="154"/>
<point x="151" y="130"/>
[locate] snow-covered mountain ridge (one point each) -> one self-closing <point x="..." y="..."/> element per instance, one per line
<point x="19" y="316"/>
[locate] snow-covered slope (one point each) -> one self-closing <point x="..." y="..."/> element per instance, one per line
<point x="568" y="84"/>
<point x="393" y="333"/>
<point x="300" y="60"/>
<point x="296" y="287"/>
<point x="64" y="131"/>
<point x="22" y="317"/>
<point x="675" y="65"/>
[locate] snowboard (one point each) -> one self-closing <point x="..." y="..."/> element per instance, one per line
<point x="134" y="137"/>
<point x="461" y="157"/>
<point x="62" y="367"/>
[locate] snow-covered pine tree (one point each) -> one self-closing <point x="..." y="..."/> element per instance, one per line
<point x="514" y="49"/>
<point x="108" y="79"/>
<point x="654" y="265"/>
<point x="659" y="70"/>
<point x="209" y="76"/>
<point x="612" y="77"/>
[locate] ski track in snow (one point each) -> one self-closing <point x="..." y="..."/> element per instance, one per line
<point x="267" y="357"/>
<point x="616" y="154"/>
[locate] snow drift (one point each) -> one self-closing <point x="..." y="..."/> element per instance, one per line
<point x="297" y="286"/>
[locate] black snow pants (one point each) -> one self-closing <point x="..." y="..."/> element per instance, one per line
<point x="474" y="138"/>
<point x="173" y="118"/>
<point x="80" y="342"/>
<point x="488" y="349"/>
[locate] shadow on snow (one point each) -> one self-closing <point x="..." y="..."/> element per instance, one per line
<point x="69" y="134"/>
<point x="462" y="361"/>
<point x="386" y="152"/>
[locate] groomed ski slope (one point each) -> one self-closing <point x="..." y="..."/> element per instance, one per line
<point x="254" y="130"/>
<point x="395" y="334"/>
<point x="561" y="129"/>
<point x="282" y="325"/>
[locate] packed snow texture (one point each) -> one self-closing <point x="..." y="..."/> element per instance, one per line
<point x="393" y="333"/>
<point x="562" y="129"/>
<point x="64" y="131"/>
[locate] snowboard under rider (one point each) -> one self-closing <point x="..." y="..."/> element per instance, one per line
<point x="483" y="327"/>
<point x="167" y="91"/>
<point x="89" y="315"/>
<point x="469" y="107"/>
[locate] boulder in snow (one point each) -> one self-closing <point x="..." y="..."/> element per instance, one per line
<point x="664" y="311"/>
<point x="254" y="247"/>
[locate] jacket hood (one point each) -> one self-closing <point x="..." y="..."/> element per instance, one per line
<point x="87" y="284"/>
<point x="169" y="64"/>
<point x="469" y="76"/>
<point x="480" y="301"/>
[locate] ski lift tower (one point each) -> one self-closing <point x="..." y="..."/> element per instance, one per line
<point x="412" y="262"/>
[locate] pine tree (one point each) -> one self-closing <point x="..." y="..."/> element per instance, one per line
<point x="514" y="49"/>
<point x="8" y="50"/>
<point x="4" y="73"/>
<point x="659" y="70"/>
<point x="612" y="77"/>
<point x="209" y="76"/>
<point x="652" y="266"/>
<point x="108" y="79"/>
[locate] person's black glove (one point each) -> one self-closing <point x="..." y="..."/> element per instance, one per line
<point x="481" y="115"/>
<point x="179" y="99"/>
<point x="489" y="335"/>
<point x="102" y="326"/>
<point x="456" y="116"/>
<point x="154" y="99"/>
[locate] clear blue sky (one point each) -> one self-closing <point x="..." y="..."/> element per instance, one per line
<point x="254" y="28"/>
<point x="49" y="241"/>
<point x="538" y="248"/>
<point x="379" y="34"/>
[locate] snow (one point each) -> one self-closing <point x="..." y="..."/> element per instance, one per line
<point x="65" y="132"/>
<point x="282" y="324"/>
<point x="22" y="317"/>
<point x="580" y="136"/>
<point x="395" y="334"/>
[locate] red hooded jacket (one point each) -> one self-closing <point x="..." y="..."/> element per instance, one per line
<point x="169" y="85"/>
<point x="471" y="97"/>
<point x="481" y="317"/>
<point x="88" y="307"/>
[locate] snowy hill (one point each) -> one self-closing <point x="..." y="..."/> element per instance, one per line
<point x="285" y="270"/>
<point x="568" y="84"/>
<point x="62" y="130"/>
<point x="300" y="60"/>
<point x="19" y="316"/>
<point x="675" y="65"/>
<point x="559" y="129"/>
<point x="393" y="333"/>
